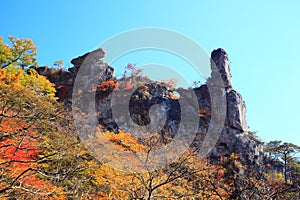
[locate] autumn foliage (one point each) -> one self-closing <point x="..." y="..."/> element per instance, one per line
<point x="42" y="157"/>
<point x="24" y="99"/>
<point x="107" y="86"/>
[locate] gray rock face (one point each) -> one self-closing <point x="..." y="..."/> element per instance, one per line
<point x="139" y="103"/>
<point x="219" y="65"/>
<point x="97" y="54"/>
<point x="148" y="104"/>
<point x="234" y="137"/>
<point x="93" y="59"/>
<point x="236" y="111"/>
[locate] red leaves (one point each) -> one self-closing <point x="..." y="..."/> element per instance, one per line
<point x="19" y="148"/>
<point x="107" y="85"/>
<point x="169" y="84"/>
<point x="130" y="66"/>
<point x="19" y="154"/>
<point x="134" y="70"/>
<point x="128" y="85"/>
<point x="64" y="91"/>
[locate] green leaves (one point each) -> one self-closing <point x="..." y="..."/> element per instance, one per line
<point x="21" y="53"/>
<point x="281" y="149"/>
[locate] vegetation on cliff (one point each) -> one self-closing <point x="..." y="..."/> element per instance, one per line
<point x="42" y="157"/>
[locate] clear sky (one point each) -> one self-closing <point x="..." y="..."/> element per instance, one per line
<point x="261" y="38"/>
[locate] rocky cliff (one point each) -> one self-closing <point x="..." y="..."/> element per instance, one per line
<point x="235" y="136"/>
<point x="124" y="108"/>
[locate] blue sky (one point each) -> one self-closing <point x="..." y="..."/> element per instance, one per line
<point x="261" y="38"/>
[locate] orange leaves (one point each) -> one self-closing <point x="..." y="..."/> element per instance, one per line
<point x="125" y="141"/>
<point x="234" y="156"/>
<point x="204" y="113"/>
<point x="172" y="96"/>
<point x="11" y="77"/>
<point x="107" y="86"/>
<point x="221" y="173"/>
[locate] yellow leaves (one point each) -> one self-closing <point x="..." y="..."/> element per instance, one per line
<point x="16" y="79"/>
<point x="280" y="176"/>
<point x="122" y="150"/>
<point x="234" y="156"/>
<point x="125" y="141"/>
<point x="21" y="53"/>
<point x="10" y="77"/>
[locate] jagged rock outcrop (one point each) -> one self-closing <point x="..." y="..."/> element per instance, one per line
<point x="92" y="59"/>
<point x="235" y="137"/>
<point x="220" y="66"/>
<point x="135" y="107"/>
<point x="236" y="111"/>
<point x="137" y="102"/>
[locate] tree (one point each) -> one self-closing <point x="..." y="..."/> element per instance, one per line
<point x="284" y="152"/>
<point x="40" y="156"/>
<point x="188" y="177"/>
<point x="23" y="121"/>
<point x="59" y="64"/>
<point x="21" y="53"/>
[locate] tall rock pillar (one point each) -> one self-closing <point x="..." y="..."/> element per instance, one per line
<point x="236" y="107"/>
<point x="220" y="67"/>
<point x="235" y="137"/>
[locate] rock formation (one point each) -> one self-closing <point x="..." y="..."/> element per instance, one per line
<point x="138" y="102"/>
<point x="235" y="136"/>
